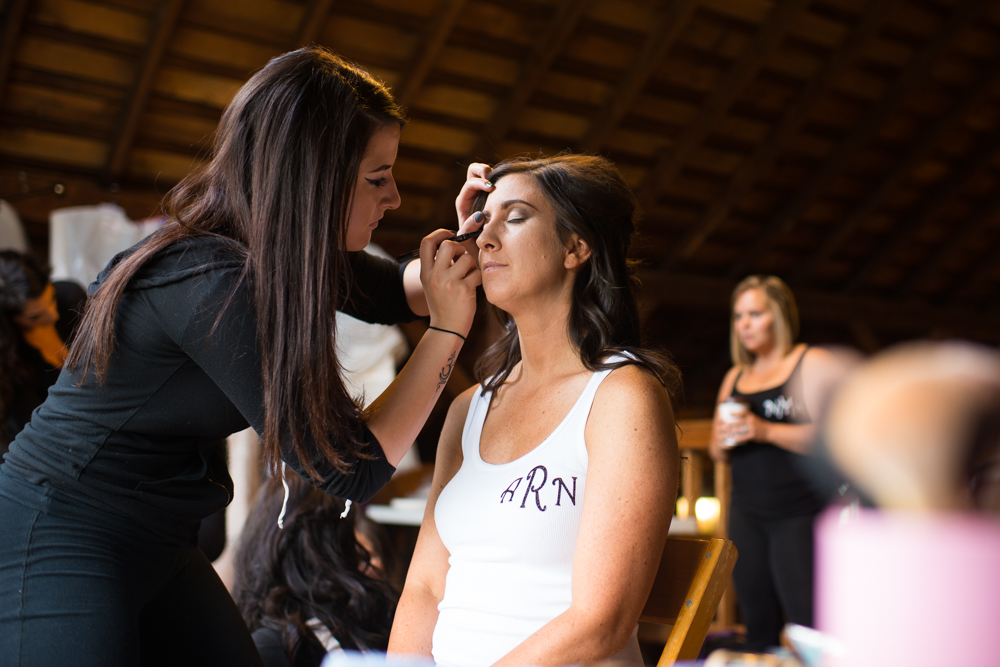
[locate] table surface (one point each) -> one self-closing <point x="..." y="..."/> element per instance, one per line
<point x="410" y="512"/>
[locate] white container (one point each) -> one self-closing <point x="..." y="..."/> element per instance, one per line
<point x="730" y="412"/>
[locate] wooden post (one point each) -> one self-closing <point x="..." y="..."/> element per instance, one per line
<point x="726" y="616"/>
<point x="692" y="472"/>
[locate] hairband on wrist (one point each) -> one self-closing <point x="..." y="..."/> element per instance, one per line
<point x="447" y="331"/>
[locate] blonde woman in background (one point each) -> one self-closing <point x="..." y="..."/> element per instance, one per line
<point x="780" y="384"/>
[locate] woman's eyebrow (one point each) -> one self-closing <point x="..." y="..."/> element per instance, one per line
<point x="511" y="202"/>
<point x="378" y="169"/>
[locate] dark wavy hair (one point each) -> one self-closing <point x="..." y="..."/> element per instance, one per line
<point x="591" y="200"/>
<point x="313" y="568"/>
<point x="22" y="278"/>
<point x="278" y="187"/>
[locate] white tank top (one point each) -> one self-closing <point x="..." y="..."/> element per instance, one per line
<point x="511" y="531"/>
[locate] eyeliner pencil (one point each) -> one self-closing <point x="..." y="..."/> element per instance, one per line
<point x="413" y="254"/>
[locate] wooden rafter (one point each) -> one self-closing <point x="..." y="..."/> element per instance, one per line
<point x="164" y="22"/>
<point x="438" y="29"/>
<point x="312" y="22"/>
<point x="533" y="71"/>
<point x="67" y="36"/>
<point x="824" y="306"/>
<point x="768" y="150"/>
<point x="983" y="215"/>
<point x="552" y="41"/>
<point x="12" y="20"/>
<point x="672" y="158"/>
<point x="908" y="227"/>
<point x="865" y="336"/>
<point x="654" y="49"/>
<point x="929" y="140"/>
<point x="914" y="72"/>
<point x="994" y="306"/>
<point x="87" y="128"/>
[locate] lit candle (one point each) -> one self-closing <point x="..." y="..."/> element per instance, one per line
<point x="683" y="511"/>
<point x="706" y="511"/>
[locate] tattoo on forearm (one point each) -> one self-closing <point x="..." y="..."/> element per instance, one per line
<point x="446" y="372"/>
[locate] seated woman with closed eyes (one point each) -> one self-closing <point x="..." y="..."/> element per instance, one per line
<point x="556" y="475"/>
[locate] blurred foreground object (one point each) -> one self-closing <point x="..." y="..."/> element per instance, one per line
<point x="918" y="428"/>
<point x="725" y="658"/>
<point x="902" y="588"/>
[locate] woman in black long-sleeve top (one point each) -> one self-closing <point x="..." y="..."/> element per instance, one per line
<point x="222" y="318"/>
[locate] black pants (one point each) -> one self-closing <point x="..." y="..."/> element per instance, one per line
<point x="80" y="587"/>
<point x="773" y="573"/>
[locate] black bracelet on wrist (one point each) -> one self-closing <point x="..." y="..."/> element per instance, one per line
<point x="447" y="331"/>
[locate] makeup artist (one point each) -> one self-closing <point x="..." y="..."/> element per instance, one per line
<point x="222" y="318"/>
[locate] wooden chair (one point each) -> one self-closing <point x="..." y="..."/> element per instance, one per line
<point x="693" y="575"/>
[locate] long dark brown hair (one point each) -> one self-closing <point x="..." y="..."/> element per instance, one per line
<point x="314" y="567"/>
<point x="278" y="187"/>
<point x="591" y="200"/>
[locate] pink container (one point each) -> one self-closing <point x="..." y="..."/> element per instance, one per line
<point x="909" y="590"/>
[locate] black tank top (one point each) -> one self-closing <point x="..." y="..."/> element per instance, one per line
<point x="769" y="480"/>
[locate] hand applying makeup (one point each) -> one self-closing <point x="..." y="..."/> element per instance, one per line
<point x="477" y="182"/>
<point x="469" y="221"/>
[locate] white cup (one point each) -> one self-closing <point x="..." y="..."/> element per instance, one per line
<point x="730" y="412"/>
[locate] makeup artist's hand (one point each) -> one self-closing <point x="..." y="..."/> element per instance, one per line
<point x="469" y="221"/>
<point x="476" y="181"/>
<point x="449" y="276"/>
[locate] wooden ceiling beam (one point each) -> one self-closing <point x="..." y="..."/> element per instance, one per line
<point x="439" y="26"/>
<point x="63" y="35"/>
<point x="673" y="157"/>
<point x="915" y="319"/>
<point x="981" y="217"/>
<point x="928" y="141"/>
<point x="312" y="23"/>
<point x="170" y="105"/>
<point x="965" y="285"/>
<point x="162" y="28"/>
<point x="66" y="83"/>
<point x="223" y="70"/>
<point x="198" y="16"/>
<point x="908" y="227"/>
<point x="533" y="69"/>
<point x="752" y="168"/>
<point x="914" y="71"/>
<point x="654" y="49"/>
<point x="81" y="127"/>
<point x="13" y="19"/>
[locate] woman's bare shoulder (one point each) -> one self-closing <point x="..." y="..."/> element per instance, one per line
<point x="632" y="378"/>
<point x="632" y="419"/>
<point x="631" y="392"/>
<point x="462" y="402"/>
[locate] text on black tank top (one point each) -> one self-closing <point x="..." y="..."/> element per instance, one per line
<point x="769" y="480"/>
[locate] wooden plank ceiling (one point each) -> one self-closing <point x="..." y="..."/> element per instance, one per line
<point x="850" y="146"/>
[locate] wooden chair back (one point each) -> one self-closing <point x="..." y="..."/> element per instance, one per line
<point x="693" y="575"/>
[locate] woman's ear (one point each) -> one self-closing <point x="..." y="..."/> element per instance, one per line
<point x="577" y="252"/>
